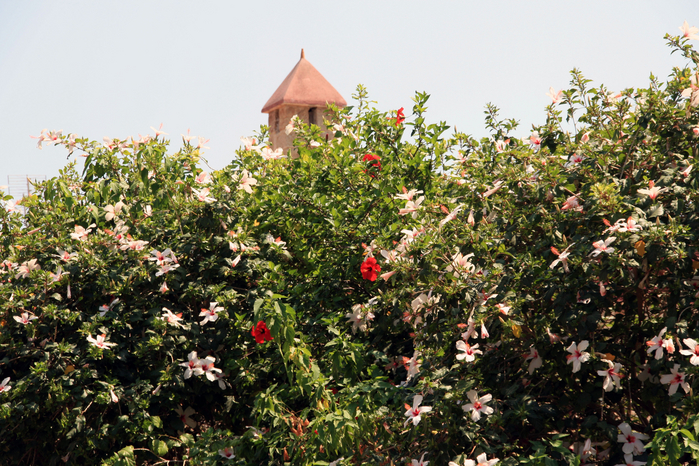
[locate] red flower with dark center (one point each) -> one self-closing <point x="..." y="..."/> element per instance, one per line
<point x="374" y="162"/>
<point x="370" y="269"/>
<point x="372" y="158"/>
<point x="261" y="332"/>
<point x="400" y="118"/>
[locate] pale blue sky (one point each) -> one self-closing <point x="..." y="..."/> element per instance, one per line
<point x="116" y="68"/>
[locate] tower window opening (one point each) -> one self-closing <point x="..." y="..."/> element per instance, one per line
<point x="276" y="120"/>
<point x="312" y="116"/>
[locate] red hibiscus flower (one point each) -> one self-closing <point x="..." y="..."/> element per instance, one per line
<point x="370" y="269"/>
<point x="374" y="162"/>
<point x="261" y="332"/>
<point x="372" y="158"/>
<point x="400" y="118"/>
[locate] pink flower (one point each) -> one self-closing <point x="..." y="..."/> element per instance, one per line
<point x="414" y="414"/>
<point x="171" y="318"/>
<point x="100" y="341"/>
<point x="536" y="360"/>
<point x="412" y="365"/>
<point x="628" y="225"/>
<point x="469" y="352"/>
<point x="227" y="453"/>
<point x="210" y="315"/>
<point x="249" y="144"/>
<point x="577" y="354"/>
<point x="602" y="246"/>
<point x="24" y="318"/>
<point x="113" y="396"/>
<point x="693" y="351"/>
<point x="496" y="187"/>
<point x="692" y="92"/>
<point x="652" y="191"/>
<point x="689" y="32"/>
<point x="159" y="131"/>
<point x="631" y="439"/>
<point x="658" y="343"/>
<point x="675" y="379"/>
<point x="477" y="405"/>
<point x="535" y="140"/>
<point x="246" y="182"/>
<point x="422" y="461"/>
<point x="481" y="460"/>
<point x="411" y="207"/>
<point x="555" y="95"/>
<point x="201" y="141"/>
<point x="207" y="368"/>
<point x="81" y="233"/>
<point x="203" y="195"/>
<point x="3" y="386"/>
<point x="572" y="204"/>
<point x="192" y="366"/>
<point x="407" y="195"/>
<point x="562" y="258"/>
<point x="450" y="216"/>
<point x="185" y="416"/>
<point x="269" y="154"/>
<point x="203" y="178"/>
<point x="460" y="265"/>
<point x="503" y="308"/>
<point x="628" y="461"/>
<point x="611" y="376"/>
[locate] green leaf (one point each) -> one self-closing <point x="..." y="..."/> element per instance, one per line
<point x="656" y="211"/>
<point x="159" y="447"/>
<point x="673" y="451"/>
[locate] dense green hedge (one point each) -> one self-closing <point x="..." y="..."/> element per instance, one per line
<point x="528" y="294"/>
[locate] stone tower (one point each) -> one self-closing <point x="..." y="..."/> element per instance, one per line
<point x="304" y="92"/>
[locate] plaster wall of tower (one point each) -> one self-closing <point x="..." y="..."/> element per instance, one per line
<point x="279" y="118"/>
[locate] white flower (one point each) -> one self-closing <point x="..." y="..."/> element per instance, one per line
<point x="612" y="376"/>
<point x="203" y="195"/>
<point x="227" y="453"/>
<point x="421" y="462"/>
<point x="113" y="210"/>
<point x="577" y="354"/>
<point x="25" y="318"/>
<point x="100" y="341"/>
<point x="693" y="351"/>
<point x="675" y="379"/>
<point x="171" y="318"/>
<point x="477" y="405"/>
<point x="536" y="360"/>
<point x="460" y="265"/>
<point x="184" y="416"/>
<point x="3" y="386"/>
<point x="602" y="246"/>
<point x="81" y="233"/>
<point x="192" y="366"/>
<point x="469" y="352"/>
<point x="414" y="414"/>
<point x="631" y="440"/>
<point x="210" y="315"/>
<point x="246" y="182"/>
<point x="482" y="460"/>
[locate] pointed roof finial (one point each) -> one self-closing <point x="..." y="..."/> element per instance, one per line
<point x="304" y="86"/>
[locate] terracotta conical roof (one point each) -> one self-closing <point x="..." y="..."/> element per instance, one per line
<point x="304" y="86"/>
